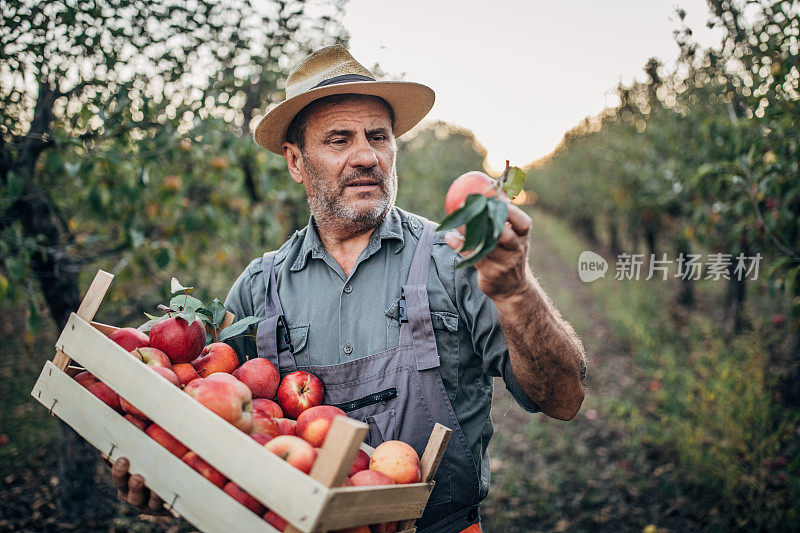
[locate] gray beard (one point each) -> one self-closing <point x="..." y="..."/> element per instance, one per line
<point x="331" y="212"/>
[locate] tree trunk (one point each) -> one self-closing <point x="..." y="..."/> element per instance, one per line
<point x="613" y="232"/>
<point x="686" y="294"/>
<point x="586" y="228"/>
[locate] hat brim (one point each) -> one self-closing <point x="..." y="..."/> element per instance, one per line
<point x="410" y="102"/>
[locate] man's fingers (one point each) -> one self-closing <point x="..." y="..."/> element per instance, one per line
<point x="137" y="493"/>
<point x="519" y="220"/>
<point x="155" y="504"/>
<point x="119" y="475"/>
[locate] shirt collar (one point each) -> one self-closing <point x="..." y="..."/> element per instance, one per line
<point x="390" y="229"/>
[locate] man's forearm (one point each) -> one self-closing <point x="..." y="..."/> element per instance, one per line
<point x="546" y="354"/>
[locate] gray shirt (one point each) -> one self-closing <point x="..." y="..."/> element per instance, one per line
<point x="334" y="318"/>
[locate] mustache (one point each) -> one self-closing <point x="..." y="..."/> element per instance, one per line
<point x="373" y="173"/>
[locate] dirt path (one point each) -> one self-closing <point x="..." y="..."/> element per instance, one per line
<point x="586" y="474"/>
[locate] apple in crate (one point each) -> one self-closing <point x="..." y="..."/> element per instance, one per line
<point x="179" y="339"/>
<point x="167" y="374"/>
<point x="298" y="391"/>
<point x="226" y="396"/>
<point x="397" y="460"/>
<point x="130" y="338"/>
<point x="136" y="421"/>
<point x="361" y="462"/>
<point x="261" y="376"/>
<point x="152" y="357"/>
<point x="173" y="445"/>
<point x="294" y="451"/>
<point x="186" y="373"/>
<point x="313" y="423"/>
<point x="366" y="478"/>
<point x="261" y="438"/>
<point x="216" y="357"/>
<point x="205" y="469"/>
<point x="236" y="492"/>
<point x="267" y="407"/>
<point x="276" y="521"/>
<point x="85" y="378"/>
<point x="287" y="426"/>
<point x="264" y="424"/>
<point x="105" y="393"/>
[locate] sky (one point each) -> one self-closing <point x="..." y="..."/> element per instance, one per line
<point x="518" y="73"/>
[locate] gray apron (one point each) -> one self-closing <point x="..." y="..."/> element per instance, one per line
<point x="398" y="392"/>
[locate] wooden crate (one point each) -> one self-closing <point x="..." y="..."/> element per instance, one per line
<point x="315" y="502"/>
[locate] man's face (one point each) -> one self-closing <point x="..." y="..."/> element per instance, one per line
<point x="348" y="166"/>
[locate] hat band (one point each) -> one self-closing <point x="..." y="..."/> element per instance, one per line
<point x="344" y="78"/>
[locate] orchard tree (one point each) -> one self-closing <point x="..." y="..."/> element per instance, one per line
<point x="124" y="140"/>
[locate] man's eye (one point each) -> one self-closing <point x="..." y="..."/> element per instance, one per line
<point x="338" y="141"/>
<point x="379" y="138"/>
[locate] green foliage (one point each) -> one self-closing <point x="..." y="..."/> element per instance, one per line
<point x="705" y="155"/>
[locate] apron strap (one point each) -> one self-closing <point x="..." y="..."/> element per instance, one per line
<point x="272" y="337"/>
<point x="419" y="328"/>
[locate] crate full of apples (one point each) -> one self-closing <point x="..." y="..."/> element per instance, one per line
<point x="228" y="446"/>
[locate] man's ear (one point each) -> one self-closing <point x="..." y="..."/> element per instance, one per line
<point x="294" y="161"/>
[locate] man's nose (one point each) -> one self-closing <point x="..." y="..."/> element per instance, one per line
<point x="364" y="154"/>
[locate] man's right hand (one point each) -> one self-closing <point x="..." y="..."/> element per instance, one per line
<point x="131" y="489"/>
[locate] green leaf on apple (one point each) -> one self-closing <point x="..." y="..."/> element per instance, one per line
<point x="498" y="214"/>
<point x="239" y="327"/>
<point x="473" y="205"/>
<point x="175" y="286"/>
<point x="476" y="231"/>
<point x="480" y="252"/>
<point x="513" y="181"/>
<point x="218" y="312"/>
<point x="184" y="302"/>
<point x="188" y="315"/>
<point x="151" y="317"/>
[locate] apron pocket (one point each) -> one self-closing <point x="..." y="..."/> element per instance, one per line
<point x="382" y="427"/>
<point x="299" y="336"/>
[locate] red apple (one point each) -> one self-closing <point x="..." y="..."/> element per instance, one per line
<point x="361" y="462"/>
<point x="354" y="529"/>
<point x="207" y="471"/>
<point x="276" y="521"/>
<point x="386" y="527"/>
<point x="261" y="438"/>
<point x="85" y="378"/>
<point x="367" y="478"/>
<point x="236" y="492"/>
<point x="104" y="392"/>
<point x="264" y="424"/>
<point x="313" y="423"/>
<point x="164" y="372"/>
<point x="216" y="357"/>
<point x="226" y="396"/>
<point x="261" y="376"/>
<point x="130" y="338"/>
<point x="181" y="341"/>
<point x="152" y="357"/>
<point x="173" y="445"/>
<point x="397" y="460"/>
<point x="470" y="183"/>
<point x="298" y="391"/>
<point x="287" y="426"/>
<point x="192" y="385"/>
<point x="185" y="372"/>
<point x="294" y="451"/>
<point x="138" y="422"/>
<point x="267" y="407"/>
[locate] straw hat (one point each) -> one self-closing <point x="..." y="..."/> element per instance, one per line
<point x="333" y="70"/>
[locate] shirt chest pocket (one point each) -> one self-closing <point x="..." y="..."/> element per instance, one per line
<point x="299" y="335"/>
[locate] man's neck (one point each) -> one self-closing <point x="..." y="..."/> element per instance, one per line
<point x="344" y="247"/>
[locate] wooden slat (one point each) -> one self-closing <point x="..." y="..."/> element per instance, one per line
<point x="105" y="329"/>
<point x="339" y="451"/>
<point x="431" y="458"/>
<point x="88" y="308"/>
<point x="235" y="454"/>
<point x="374" y="505"/>
<point x="192" y="496"/>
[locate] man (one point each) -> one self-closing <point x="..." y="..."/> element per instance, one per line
<point x="367" y="296"/>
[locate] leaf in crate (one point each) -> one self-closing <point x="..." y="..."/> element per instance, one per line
<point x="175" y="286"/>
<point x="473" y="205"/>
<point x="498" y="213"/>
<point x="147" y="326"/>
<point x="188" y="315"/>
<point x="151" y="317"/>
<point x="184" y="302"/>
<point x="514" y="181"/>
<point x="239" y="327"/>
<point x="219" y="312"/>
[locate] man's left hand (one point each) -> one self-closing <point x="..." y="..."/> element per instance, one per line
<point x="504" y="272"/>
